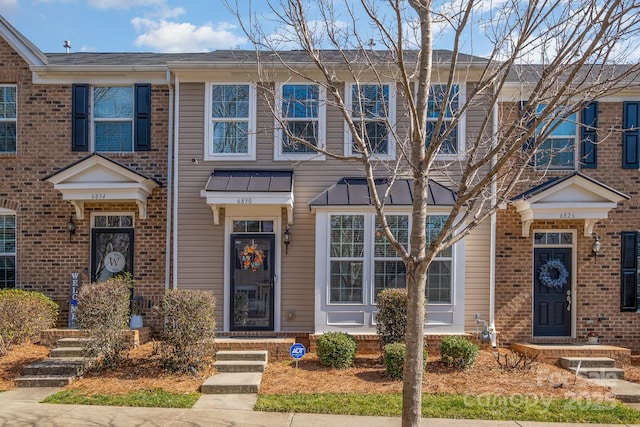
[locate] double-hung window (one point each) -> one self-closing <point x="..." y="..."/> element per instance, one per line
<point x="389" y="270"/>
<point x="7" y="250"/>
<point x="441" y="104"/>
<point x="346" y="258"/>
<point x="230" y="131"/>
<point x="372" y="108"/>
<point x="301" y="111"/>
<point x="8" y="119"/>
<point x="558" y="150"/>
<point x="439" y="274"/>
<point x="113" y="118"/>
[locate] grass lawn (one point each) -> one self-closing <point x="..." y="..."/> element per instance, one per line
<point x="487" y="407"/>
<point x="143" y="398"/>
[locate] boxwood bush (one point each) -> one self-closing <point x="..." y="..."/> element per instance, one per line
<point x="23" y="315"/>
<point x="393" y="357"/>
<point x="336" y="349"/>
<point x="391" y="321"/>
<point x="458" y="352"/>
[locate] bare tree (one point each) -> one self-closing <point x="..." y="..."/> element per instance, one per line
<point x="547" y="61"/>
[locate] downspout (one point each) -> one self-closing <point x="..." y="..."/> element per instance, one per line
<point x="168" y="256"/>
<point x="492" y="252"/>
<point x="174" y="285"/>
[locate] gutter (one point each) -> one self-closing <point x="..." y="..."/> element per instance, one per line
<point x="168" y="252"/>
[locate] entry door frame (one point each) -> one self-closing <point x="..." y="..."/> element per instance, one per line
<point x="243" y="213"/>
<point x="573" y="247"/>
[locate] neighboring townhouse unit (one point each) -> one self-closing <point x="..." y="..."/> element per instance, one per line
<point x="84" y="150"/>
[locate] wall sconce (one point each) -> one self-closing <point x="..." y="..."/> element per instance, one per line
<point x="595" y="248"/>
<point x="286" y="238"/>
<point x="71" y="227"/>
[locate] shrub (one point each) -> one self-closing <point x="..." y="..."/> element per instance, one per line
<point x="189" y="329"/>
<point x="391" y="321"/>
<point x="103" y="312"/>
<point x="336" y="349"/>
<point x="23" y="315"/>
<point x="393" y="357"/>
<point x="458" y="352"/>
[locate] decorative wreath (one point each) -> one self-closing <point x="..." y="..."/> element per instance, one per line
<point x="252" y="257"/>
<point x="553" y="274"/>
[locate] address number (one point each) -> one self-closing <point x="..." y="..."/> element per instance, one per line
<point x="245" y="201"/>
<point x="98" y="196"/>
<point x="567" y="215"/>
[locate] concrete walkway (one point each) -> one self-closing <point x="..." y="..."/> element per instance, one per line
<point x="20" y="407"/>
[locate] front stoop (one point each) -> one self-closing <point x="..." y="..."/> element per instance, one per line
<point x="66" y="363"/>
<point x="240" y="372"/>
<point x="595" y="368"/>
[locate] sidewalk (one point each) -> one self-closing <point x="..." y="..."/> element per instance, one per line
<point x="19" y="408"/>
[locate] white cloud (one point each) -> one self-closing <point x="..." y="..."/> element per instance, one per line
<point x="8" y="7"/>
<point x="124" y="4"/>
<point x="166" y="36"/>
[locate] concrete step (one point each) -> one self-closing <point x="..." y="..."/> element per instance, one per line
<point x="625" y="391"/>
<point x="67" y="352"/>
<point x="601" y="373"/>
<point x="587" y="362"/>
<point x="255" y="355"/>
<point x="73" y="366"/>
<point x="239" y="366"/>
<point x="44" y="380"/>
<point x="232" y="383"/>
<point x="72" y="342"/>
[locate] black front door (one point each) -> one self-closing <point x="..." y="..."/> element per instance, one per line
<point x="552" y="292"/>
<point x="111" y="253"/>
<point x="252" y="281"/>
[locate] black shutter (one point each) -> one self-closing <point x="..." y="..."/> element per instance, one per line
<point x="631" y="135"/>
<point x="589" y="136"/>
<point x="80" y="117"/>
<point x="629" y="275"/>
<point x="142" y="125"/>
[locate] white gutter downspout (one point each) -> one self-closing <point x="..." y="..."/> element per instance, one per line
<point x="174" y="285"/>
<point x="168" y="256"/>
<point x="492" y="256"/>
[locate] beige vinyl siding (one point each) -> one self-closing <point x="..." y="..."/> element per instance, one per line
<point x="477" y="275"/>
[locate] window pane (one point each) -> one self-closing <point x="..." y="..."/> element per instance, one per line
<point x="230" y="101"/>
<point x="556" y="153"/>
<point x="389" y="274"/>
<point x="231" y="137"/>
<point x="7" y="137"/>
<point x="305" y="130"/>
<point x="439" y="282"/>
<point x="399" y="226"/>
<point x="434" y="225"/>
<point x="113" y="102"/>
<point x="436" y="103"/>
<point x="114" y="136"/>
<point x="7" y="102"/>
<point x="7" y="271"/>
<point x="7" y="251"/>
<point x="300" y="101"/>
<point x="450" y="143"/>
<point x="347" y="236"/>
<point x="346" y="281"/>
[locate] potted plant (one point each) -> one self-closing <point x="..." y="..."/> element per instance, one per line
<point x="592" y="337"/>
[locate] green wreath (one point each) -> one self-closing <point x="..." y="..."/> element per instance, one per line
<point x="553" y="274"/>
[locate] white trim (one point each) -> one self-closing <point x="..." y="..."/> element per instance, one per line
<point x="574" y="271"/>
<point x="176" y="179"/>
<point x="278" y="154"/>
<point x="93" y="215"/>
<point x="219" y="199"/>
<point x="251" y="124"/>
<point x="390" y="121"/>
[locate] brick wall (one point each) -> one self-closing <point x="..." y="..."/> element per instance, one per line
<point x="45" y="254"/>
<point x="598" y="280"/>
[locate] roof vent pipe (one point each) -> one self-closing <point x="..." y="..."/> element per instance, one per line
<point x="67" y="45"/>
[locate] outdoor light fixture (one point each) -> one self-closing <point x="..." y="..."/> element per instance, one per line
<point x="71" y="227"/>
<point x="286" y="238"/>
<point x="595" y="248"/>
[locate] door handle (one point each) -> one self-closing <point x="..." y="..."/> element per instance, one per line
<point x="569" y="300"/>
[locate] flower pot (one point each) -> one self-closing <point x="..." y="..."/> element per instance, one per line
<point x="592" y="340"/>
<point x="135" y="321"/>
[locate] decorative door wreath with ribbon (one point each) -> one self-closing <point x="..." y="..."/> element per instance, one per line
<point x="252" y="257"/>
<point x="553" y="274"/>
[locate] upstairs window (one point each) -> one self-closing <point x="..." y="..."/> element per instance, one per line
<point x="7" y="251"/>
<point x="301" y="108"/>
<point x="558" y="151"/>
<point x="231" y="117"/>
<point x="441" y="104"/>
<point x="113" y="119"/>
<point x="8" y="119"/>
<point x="372" y="108"/>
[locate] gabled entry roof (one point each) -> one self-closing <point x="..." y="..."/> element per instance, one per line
<point x="573" y="196"/>
<point x="254" y="187"/>
<point x="355" y="191"/>
<point x="97" y="178"/>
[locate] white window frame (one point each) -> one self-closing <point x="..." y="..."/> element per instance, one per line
<point x="12" y="119"/>
<point x="95" y="120"/>
<point x="390" y="121"/>
<point x="574" y="117"/>
<point x="251" y="124"/>
<point x="365" y="259"/>
<point x="321" y="119"/>
<point x="460" y="126"/>
<point x="94" y="215"/>
<point x="9" y="212"/>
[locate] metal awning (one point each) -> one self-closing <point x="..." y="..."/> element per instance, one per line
<point x="249" y="187"/>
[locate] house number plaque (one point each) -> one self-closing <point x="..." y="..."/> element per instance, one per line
<point x="114" y="262"/>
